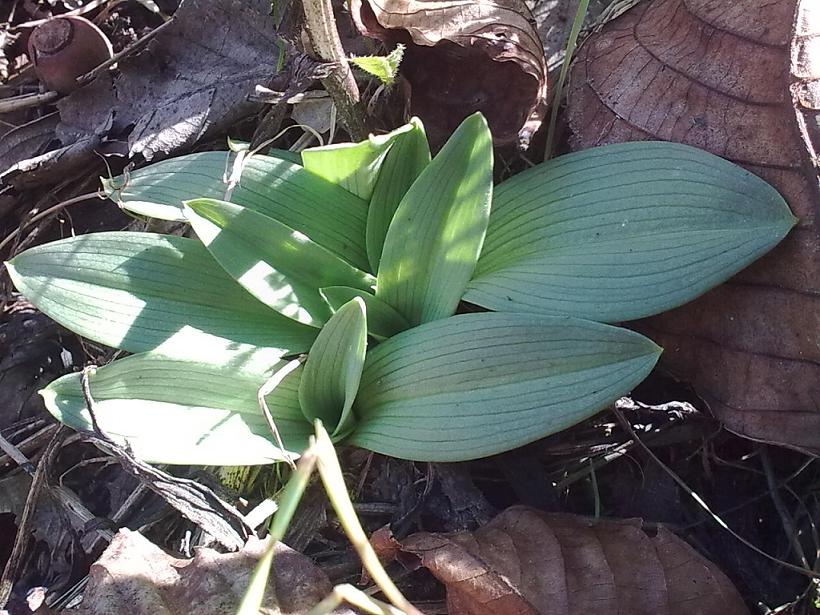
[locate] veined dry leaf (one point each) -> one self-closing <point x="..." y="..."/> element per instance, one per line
<point x="464" y="56"/>
<point x="526" y="562"/>
<point x="716" y="75"/>
<point x="136" y="577"/>
<point x="190" y="82"/>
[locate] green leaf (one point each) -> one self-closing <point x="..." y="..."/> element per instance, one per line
<point x="334" y="367"/>
<point x="382" y="320"/>
<point x="141" y="291"/>
<point x="279" y="266"/>
<point x="623" y="231"/>
<point x="405" y="161"/>
<point x="328" y="214"/>
<point x="184" y="412"/>
<point x="353" y="166"/>
<point x="436" y="235"/>
<point x="479" y="384"/>
<point x="384" y="68"/>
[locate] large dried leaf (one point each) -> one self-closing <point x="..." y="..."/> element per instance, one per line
<point x="136" y="577"/>
<point x="464" y="56"/>
<point x="525" y="562"/>
<point x="716" y="76"/>
<point x="192" y="80"/>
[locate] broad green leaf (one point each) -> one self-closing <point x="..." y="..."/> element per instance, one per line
<point x="328" y="214"/>
<point x="353" y="166"/>
<point x="333" y="369"/>
<point x="404" y="162"/>
<point x="479" y="384"/>
<point x="276" y="264"/>
<point x="141" y="291"/>
<point x="185" y="412"/>
<point x="384" y="68"/>
<point x="623" y="231"/>
<point x="382" y="320"/>
<point x="436" y="235"/>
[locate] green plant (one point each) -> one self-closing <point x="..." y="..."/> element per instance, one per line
<point x="360" y="257"/>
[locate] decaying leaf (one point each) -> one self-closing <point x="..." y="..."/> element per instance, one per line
<point x="464" y="56"/>
<point x="716" y="75"/>
<point x="192" y="80"/>
<point x="525" y="562"/>
<point x="136" y="577"/>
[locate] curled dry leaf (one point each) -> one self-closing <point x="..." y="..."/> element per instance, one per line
<point x="525" y="562"/>
<point x="464" y="56"/>
<point x="136" y="577"/>
<point x="719" y="76"/>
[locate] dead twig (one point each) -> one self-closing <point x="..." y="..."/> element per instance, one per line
<point x="267" y="388"/>
<point x="14" y="565"/>
<point x="341" y="85"/>
<point x="780" y="507"/>
<point x="51" y="210"/>
<point x="26" y="101"/>
<point x="702" y="503"/>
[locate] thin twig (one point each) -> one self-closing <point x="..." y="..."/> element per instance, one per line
<point x="267" y="388"/>
<point x="16" y="454"/>
<point x="80" y="11"/>
<point x="700" y="501"/>
<point x="12" y="569"/>
<point x="26" y="101"/>
<point x="780" y="507"/>
<point x="88" y="370"/>
<point x="133" y="47"/>
<point x="53" y="209"/>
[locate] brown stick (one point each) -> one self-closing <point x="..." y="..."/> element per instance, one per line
<point x="341" y="85"/>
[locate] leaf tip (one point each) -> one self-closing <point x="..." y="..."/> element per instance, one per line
<point x="11" y="268"/>
<point x="360" y="302"/>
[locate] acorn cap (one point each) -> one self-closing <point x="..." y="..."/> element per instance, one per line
<point x="65" y="48"/>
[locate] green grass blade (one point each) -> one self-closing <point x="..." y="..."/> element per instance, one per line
<point x="479" y="384"/>
<point x="142" y="291"/>
<point x="334" y="367"/>
<point x="436" y="235"/>
<point x="281" y="267"/>
<point x="185" y="412"/>
<point x="623" y="231"/>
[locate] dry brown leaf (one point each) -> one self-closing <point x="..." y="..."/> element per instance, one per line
<point x="136" y="577"/>
<point x="464" y="56"/>
<point x="716" y="75"/>
<point x="526" y="562"/>
<point x="191" y="82"/>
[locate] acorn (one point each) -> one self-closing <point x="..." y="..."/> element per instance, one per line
<point x="65" y="48"/>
